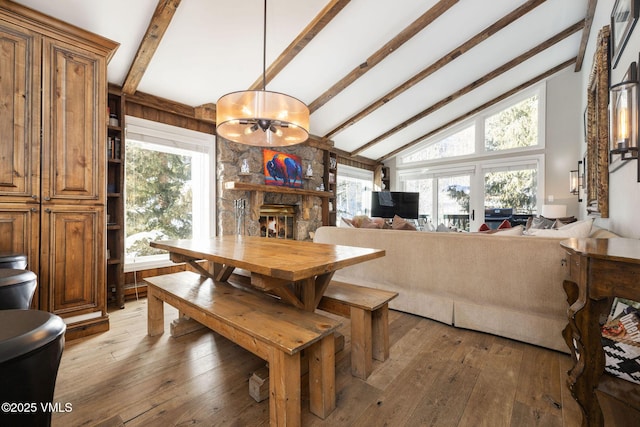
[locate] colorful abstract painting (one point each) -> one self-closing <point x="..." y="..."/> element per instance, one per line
<point x="282" y="169"/>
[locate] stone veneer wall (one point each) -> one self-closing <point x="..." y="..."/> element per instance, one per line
<point x="229" y="159"/>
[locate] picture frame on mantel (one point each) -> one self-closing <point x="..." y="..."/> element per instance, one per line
<point x="623" y="19"/>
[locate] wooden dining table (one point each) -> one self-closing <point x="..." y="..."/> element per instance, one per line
<point x="296" y="271"/>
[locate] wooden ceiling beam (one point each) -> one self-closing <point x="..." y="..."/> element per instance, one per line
<point x="588" y="20"/>
<point x="476" y="84"/>
<point x="482" y="107"/>
<point x="159" y="23"/>
<point x="446" y="59"/>
<point x="390" y="47"/>
<point x="325" y="16"/>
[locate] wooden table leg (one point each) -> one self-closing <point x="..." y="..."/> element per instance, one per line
<point x="155" y="313"/>
<point x="322" y="377"/>
<point x="284" y="389"/>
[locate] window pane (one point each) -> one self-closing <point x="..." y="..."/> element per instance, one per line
<point x="159" y="197"/>
<point x="512" y="189"/>
<point x="353" y="196"/>
<point x="516" y="126"/>
<point x="458" y="144"/>
<point x="425" y="188"/>
<point x="453" y="201"/>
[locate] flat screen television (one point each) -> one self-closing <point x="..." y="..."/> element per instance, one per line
<point x="387" y="204"/>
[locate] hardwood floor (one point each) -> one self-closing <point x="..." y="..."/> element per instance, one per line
<point x="436" y="376"/>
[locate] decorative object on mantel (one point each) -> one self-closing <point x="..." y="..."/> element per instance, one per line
<point x="282" y="119"/>
<point x="244" y="168"/>
<point x="623" y="18"/>
<point x="282" y="169"/>
<point x="309" y="173"/>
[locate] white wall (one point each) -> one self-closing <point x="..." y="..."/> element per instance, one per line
<point x="564" y="134"/>
<point x="624" y="190"/>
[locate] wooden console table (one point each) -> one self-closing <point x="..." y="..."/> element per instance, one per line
<point x="599" y="269"/>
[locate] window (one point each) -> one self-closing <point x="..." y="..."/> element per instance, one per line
<point x="512" y="187"/>
<point x="445" y="195"/>
<point x="353" y="194"/>
<point x="168" y="188"/>
<point x="458" y="144"/>
<point x="513" y="127"/>
<point x="504" y="144"/>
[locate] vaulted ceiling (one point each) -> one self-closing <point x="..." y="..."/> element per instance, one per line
<point x="379" y="76"/>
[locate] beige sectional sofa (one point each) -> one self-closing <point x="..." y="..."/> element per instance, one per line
<point x="509" y="286"/>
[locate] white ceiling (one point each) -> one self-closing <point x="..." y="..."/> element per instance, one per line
<point x="215" y="47"/>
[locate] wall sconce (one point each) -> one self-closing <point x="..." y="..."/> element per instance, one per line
<point x="623" y="117"/>
<point x="576" y="181"/>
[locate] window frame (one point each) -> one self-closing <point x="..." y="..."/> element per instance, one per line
<point x="479" y="120"/>
<point x="354" y="173"/>
<point x="478" y="163"/>
<point x="177" y="139"/>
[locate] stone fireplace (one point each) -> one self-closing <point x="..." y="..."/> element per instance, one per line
<point x="305" y="203"/>
<point x="277" y="221"/>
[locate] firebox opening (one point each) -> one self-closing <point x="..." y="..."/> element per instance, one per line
<point x="277" y="221"/>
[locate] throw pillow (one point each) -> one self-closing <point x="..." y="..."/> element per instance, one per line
<point x="484" y="227"/>
<point x="601" y="233"/>
<point x="401" y="224"/>
<point x="504" y="224"/>
<point x="378" y="223"/>
<point x="345" y="222"/>
<point x="509" y="231"/>
<point x="576" y="229"/>
<point x="538" y="223"/>
<point x="559" y="222"/>
<point x="360" y="221"/>
<point x="443" y="228"/>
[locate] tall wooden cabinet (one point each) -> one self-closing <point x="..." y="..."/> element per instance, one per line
<point x="52" y="160"/>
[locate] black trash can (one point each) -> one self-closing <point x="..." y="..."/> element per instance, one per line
<point x="16" y="288"/>
<point x="31" y="344"/>
<point x="13" y="260"/>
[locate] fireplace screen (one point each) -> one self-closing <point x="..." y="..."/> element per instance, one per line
<point x="277" y="221"/>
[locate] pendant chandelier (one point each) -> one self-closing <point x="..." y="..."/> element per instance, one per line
<point x="260" y="117"/>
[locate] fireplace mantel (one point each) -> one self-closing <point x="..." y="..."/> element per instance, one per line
<point x="246" y="186"/>
<point x="257" y="195"/>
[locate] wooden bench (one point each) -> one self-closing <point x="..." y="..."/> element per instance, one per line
<point x="368" y="309"/>
<point x="272" y="330"/>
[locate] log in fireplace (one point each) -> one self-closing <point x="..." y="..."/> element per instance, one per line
<point x="277" y="221"/>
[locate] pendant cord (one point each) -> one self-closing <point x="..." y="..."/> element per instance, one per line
<point x="264" y="48"/>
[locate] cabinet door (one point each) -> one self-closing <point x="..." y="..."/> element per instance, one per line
<point x="74" y="128"/>
<point x="19" y="233"/>
<point x="19" y="114"/>
<point x="19" y="227"/>
<point x="72" y="259"/>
